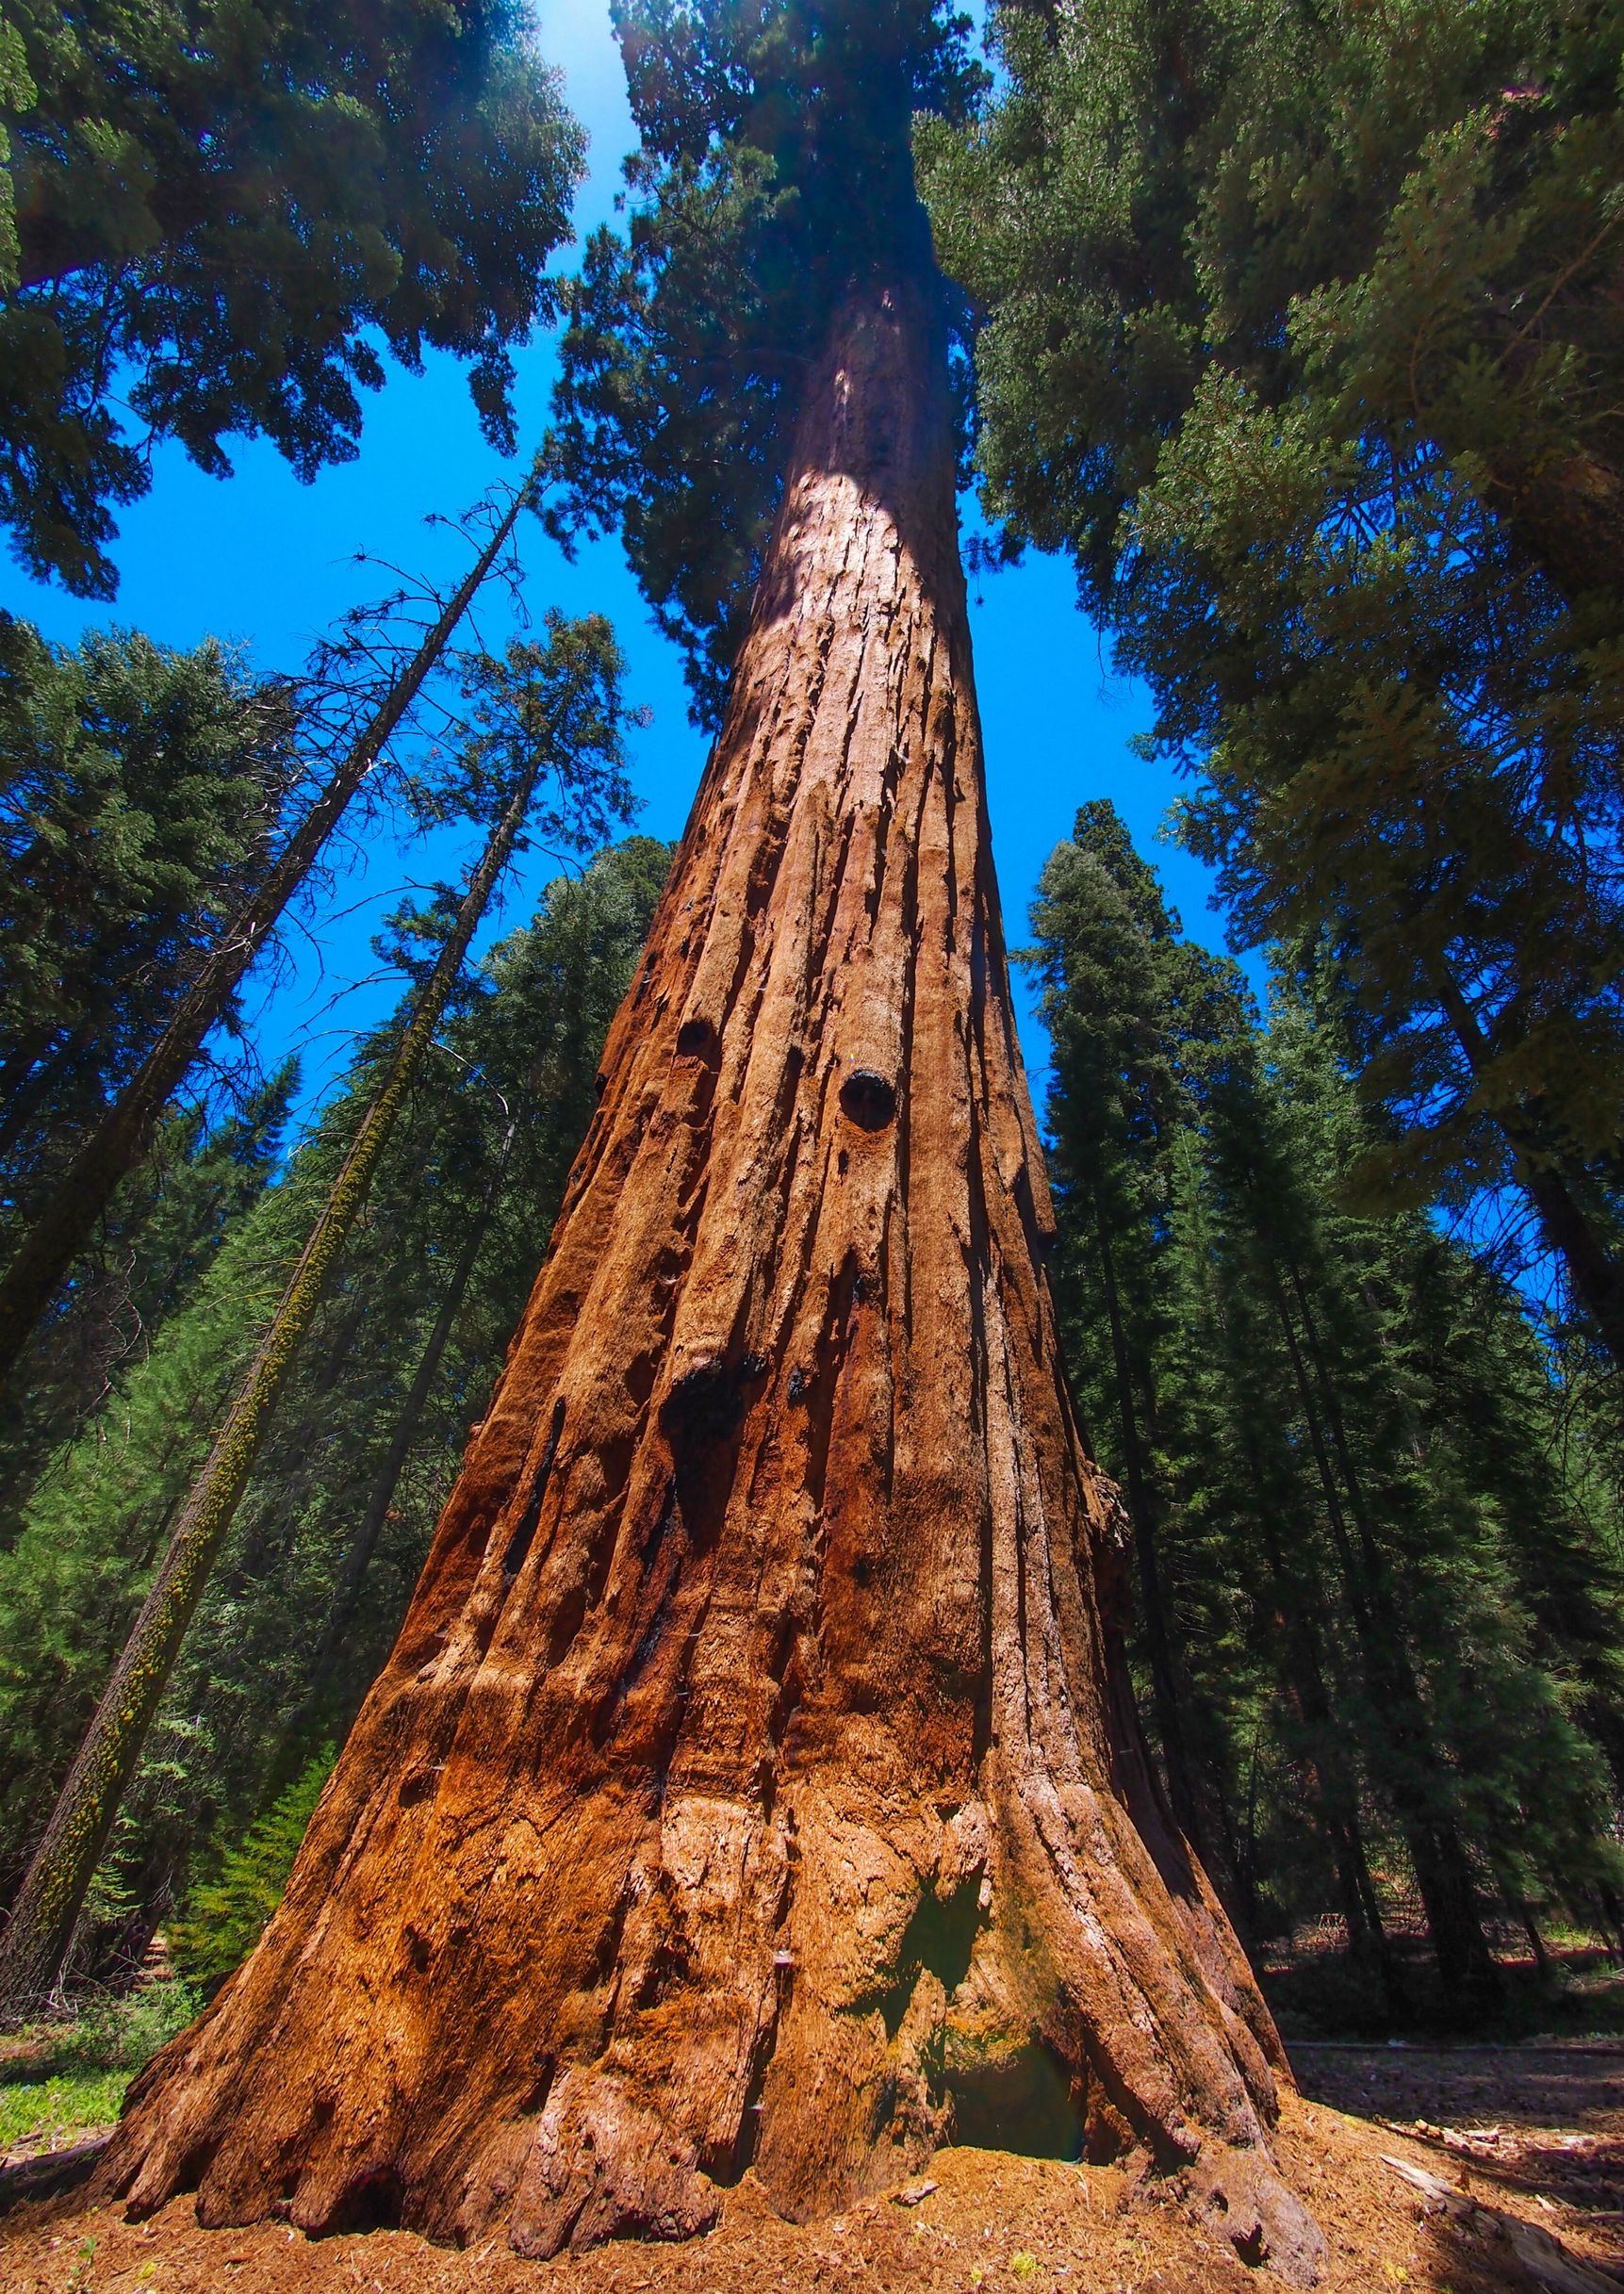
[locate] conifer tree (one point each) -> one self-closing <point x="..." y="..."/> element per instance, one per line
<point x="1411" y="212"/>
<point x="96" y="1521"/>
<point x="141" y="795"/>
<point x="546" y="711"/>
<point x="1121" y="992"/>
<point x="1300" y="338"/>
<point x="228" y="1915"/>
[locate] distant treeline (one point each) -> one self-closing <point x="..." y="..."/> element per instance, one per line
<point x="114" y="1412"/>
<point x="1373" y="1502"/>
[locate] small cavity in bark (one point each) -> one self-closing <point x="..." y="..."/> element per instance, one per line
<point x="708" y="1400"/>
<point x="695" y="1040"/>
<point x="868" y="1099"/>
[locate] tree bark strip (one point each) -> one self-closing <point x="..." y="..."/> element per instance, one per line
<point x="40" y="1928"/>
<point x="755" y="1780"/>
<point x="42" y="1260"/>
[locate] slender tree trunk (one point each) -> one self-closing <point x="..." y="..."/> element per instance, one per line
<point x="1335" y="1780"/>
<point x="1443" y="1875"/>
<point x="1333" y="1776"/>
<point x="1526" y="1913"/>
<point x="1141" y="1512"/>
<point x="755" y="1780"/>
<point x="1611" y="1917"/>
<point x="381" y="1496"/>
<point x="27" y="1079"/>
<point x="40" y="1928"/>
<point x="65" y="1223"/>
<point x="1465" y="1961"/>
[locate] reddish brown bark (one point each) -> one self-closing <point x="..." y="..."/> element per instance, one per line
<point x="755" y="1781"/>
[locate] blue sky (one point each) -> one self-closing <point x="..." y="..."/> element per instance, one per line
<point x="267" y="561"/>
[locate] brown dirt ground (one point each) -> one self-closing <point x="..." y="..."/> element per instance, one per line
<point x="1005" y="2224"/>
<point x="1535" y="2130"/>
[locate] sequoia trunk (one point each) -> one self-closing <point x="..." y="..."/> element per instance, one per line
<point x="755" y="1783"/>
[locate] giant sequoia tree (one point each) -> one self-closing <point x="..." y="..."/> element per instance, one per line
<point x="755" y="1782"/>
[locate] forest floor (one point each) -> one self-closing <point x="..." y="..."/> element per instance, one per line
<point x="1516" y="2135"/>
<point x="1524" y="2147"/>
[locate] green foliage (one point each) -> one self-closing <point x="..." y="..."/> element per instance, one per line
<point x="773" y="170"/>
<point x="61" y="2077"/>
<point x="50" y="2109"/>
<point x="226" y="1915"/>
<point x="1133" y="1011"/>
<point x="152" y="1248"/>
<point x="479" y="1157"/>
<point x="553" y="703"/>
<point x="1303" y="338"/>
<point x="223" y="212"/>
<point x="1384" y="1588"/>
<point x="1407" y="774"/>
<point x="1408" y="211"/>
<point x="111" y="2032"/>
<point x="141" y="793"/>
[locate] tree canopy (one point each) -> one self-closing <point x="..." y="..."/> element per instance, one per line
<point x="221" y="211"/>
<point x="773" y="170"/>
<point x="1413" y="210"/>
<point x="1301" y="336"/>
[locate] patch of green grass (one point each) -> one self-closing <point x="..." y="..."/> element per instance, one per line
<point x="56" y="2108"/>
<point x="118" y="2031"/>
<point x="108" y="2031"/>
<point x="57" y="2077"/>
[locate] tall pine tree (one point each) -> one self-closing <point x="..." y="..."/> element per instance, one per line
<point x="1369" y="1562"/>
<point x="1303" y="338"/>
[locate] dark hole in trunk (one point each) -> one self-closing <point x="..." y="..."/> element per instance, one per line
<point x="372" y="2202"/>
<point x="1018" y="2102"/>
<point x="868" y="1099"/>
<point x="941" y="1937"/>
